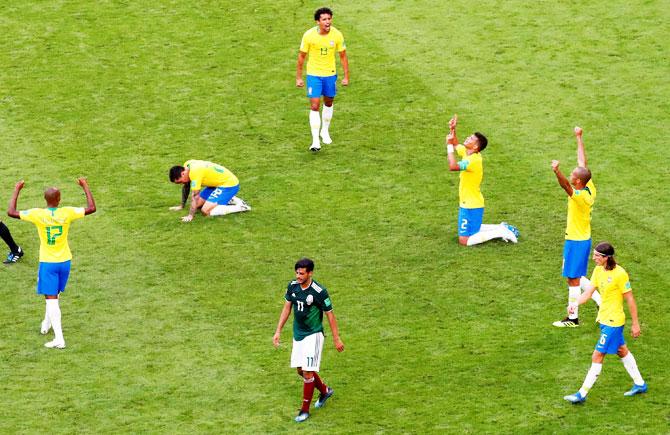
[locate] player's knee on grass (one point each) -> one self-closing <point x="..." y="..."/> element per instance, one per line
<point x="463" y="240"/>
<point x="208" y="207"/>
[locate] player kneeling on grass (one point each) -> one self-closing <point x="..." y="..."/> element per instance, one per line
<point x="53" y="225"/>
<point x="612" y="281"/>
<point x="212" y="189"/>
<point x="309" y="300"/>
<point x="471" y="231"/>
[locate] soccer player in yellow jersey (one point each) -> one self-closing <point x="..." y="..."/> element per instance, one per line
<point x="612" y="281"/>
<point x="320" y="43"/>
<point x="581" y="196"/>
<point x="53" y="225"/>
<point x="471" y="231"/>
<point x="212" y="187"/>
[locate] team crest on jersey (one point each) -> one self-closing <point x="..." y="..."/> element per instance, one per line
<point x="293" y="294"/>
<point x="609" y="279"/>
<point x="309" y="299"/>
<point x="332" y="43"/>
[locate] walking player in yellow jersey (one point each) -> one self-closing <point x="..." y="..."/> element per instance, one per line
<point x="612" y="281"/>
<point x="320" y="43"/>
<point x="471" y="231"/>
<point x="581" y="196"/>
<point x="212" y="187"/>
<point x="53" y="226"/>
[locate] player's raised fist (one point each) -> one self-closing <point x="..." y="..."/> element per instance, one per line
<point x="554" y="165"/>
<point x="452" y="122"/>
<point x="19" y="185"/>
<point x="82" y="181"/>
<point x="578" y="131"/>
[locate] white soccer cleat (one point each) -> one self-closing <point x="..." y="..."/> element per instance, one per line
<point x="53" y="344"/>
<point x="315" y="147"/>
<point x="325" y="137"/>
<point x="45" y="327"/>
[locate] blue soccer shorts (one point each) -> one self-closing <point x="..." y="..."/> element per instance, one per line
<point x="611" y="339"/>
<point x="219" y="195"/>
<point x="469" y="220"/>
<point x="576" y="258"/>
<point x="317" y="86"/>
<point x="52" y="278"/>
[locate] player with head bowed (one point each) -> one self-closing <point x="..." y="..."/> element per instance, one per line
<point x="319" y="45"/>
<point x="212" y="188"/>
<point x="471" y="231"/>
<point x="53" y="226"/>
<point x="309" y="300"/>
<point x="613" y="283"/>
<point x="581" y="193"/>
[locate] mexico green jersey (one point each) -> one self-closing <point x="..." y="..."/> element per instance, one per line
<point x="308" y="307"/>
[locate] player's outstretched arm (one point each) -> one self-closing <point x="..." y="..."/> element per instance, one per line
<point x="12" y="211"/>
<point x="299" y="82"/>
<point x="562" y="181"/>
<point x="632" y="307"/>
<point x="90" y="202"/>
<point x="283" y="317"/>
<point x="581" y="152"/>
<point x="344" y="60"/>
<point x="335" y="331"/>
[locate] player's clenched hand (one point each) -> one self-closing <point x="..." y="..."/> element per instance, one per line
<point x="554" y="165"/>
<point x="275" y="339"/>
<point x="578" y="131"/>
<point x="19" y="185"/>
<point x="345" y="82"/>
<point x="176" y="208"/>
<point x="451" y="138"/>
<point x="339" y="345"/>
<point x="82" y="181"/>
<point x="299" y="83"/>
<point x="187" y="218"/>
<point x="635" y="330"/>
<point x="452" y="122"/>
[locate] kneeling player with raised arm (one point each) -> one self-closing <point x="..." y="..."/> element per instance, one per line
<point x="471" y="231"/>
<point x="612" y="281"/>
<point x="309" y="300"/>
<point x="53" y="226"/>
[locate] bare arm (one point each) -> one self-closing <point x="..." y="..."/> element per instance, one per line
<point x="299" y="82"/>
<point x="453" y="141"/>
<point x="12" y="211"/>
<point x="333" y="328"/>
<point x="345" y="66"/>
<point x="562" y="181"/>
<point x="283" y="317"/>
<point x="632" y="307"/>
<point x="581" y="153"/>
<point x="90" y="202"/>
<point x="195" y="199"/>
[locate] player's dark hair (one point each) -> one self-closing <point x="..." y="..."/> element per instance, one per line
<point x="320" y="11"/>
<point x="175" y="173"/>
<point x="304" y="263"/>
<point x="482" y="140"/>
<point x="606" y="249"/>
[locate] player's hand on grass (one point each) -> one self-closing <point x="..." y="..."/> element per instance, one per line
<point x="19" y="185"/>
<point x="554" y="165"/>
<point x="275" y="339"/>
<point x="299" y="82"/>
<point x="187" y="218"/>
<point x="578" y="131"/>
<point x="176" y="208"/>
<point x="338" y="344"/>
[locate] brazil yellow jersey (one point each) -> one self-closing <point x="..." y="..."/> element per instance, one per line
<point x="53" y="225"/>
<point x="579" y="213"/>
<point x="612" y="284"/>
<point x="209" y="174"/>
<point x="321" y="50"/>
<point x="472" y="172"/>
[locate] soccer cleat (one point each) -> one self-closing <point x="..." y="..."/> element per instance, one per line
<point x="244" y="205"/>
<point x="323" y="397"/>
<point x="566" y="323"/>
<point x="13" y="257"/>
<point x="512" y="233"/>
<point x="53" y="344"/>
<point x="575" y="398"/>
<point x="315" y="147"/>
<point x="302" y="416"/>
<point x="325" y="137"/>
<point x="45" y="327"/>
<point x="512" y="228"/>
<point x="637" y="389"/>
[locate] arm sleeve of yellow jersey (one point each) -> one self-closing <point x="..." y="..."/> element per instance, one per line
<point x="594" y="278"/>
<point x="27" y="215"/>
<point x="75" y="213"/>
<point x="340" y="46"/>
<point x="625" y="283"/>
<point x="304" y="44"/>
<point x="196" y="180"/>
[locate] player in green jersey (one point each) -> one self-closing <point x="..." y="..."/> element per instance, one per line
<point x="309" y="300"/>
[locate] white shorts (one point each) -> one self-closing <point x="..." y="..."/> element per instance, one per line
<point x="306" y="353"/>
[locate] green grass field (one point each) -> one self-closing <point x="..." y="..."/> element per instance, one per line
<point x="169" y="325"/>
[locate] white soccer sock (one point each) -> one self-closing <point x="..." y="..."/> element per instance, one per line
<point x="315" y="125"/>
<point x="631" y="367"/>
<point x="583" y="282"/>
<point x="573" y="295"/>
<point x="326" y="116"/>
<point x="591" y="378"/>
<point x="490" y="231"/>
<point x="221" y="210"/>
<point x="54" y="315"/>
<point x="46" y="323"/>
